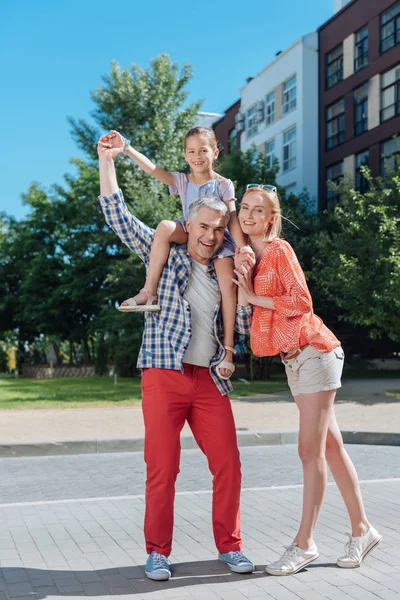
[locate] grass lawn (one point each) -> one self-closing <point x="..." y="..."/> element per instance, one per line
<point x="96" y="391"/>
<point x="362" y="373"/>
<point x="395" y="393"/>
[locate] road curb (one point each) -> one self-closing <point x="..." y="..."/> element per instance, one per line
<point x="135" y="444"/>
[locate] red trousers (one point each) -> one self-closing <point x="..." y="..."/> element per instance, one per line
<point x="169" y="399"/>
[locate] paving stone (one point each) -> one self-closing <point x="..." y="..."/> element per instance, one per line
<point x="95" y="548"/>
<point x="15" y="590"/>
<point x="61" y="477"/>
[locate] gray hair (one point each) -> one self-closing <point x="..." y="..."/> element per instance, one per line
<point x="211" y="202"/>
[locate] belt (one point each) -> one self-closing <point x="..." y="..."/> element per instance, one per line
<point x="293" y="353"/>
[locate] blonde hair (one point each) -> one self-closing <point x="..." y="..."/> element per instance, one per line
<point x="273" y="229"/>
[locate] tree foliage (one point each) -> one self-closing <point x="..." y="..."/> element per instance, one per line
<point x="63" y="269"/>
<point x="357" y="261"/>
<point x="150" y="108"/>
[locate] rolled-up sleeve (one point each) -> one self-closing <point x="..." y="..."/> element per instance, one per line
<point x="130" y="230"/>
<point x="243" y="318"/>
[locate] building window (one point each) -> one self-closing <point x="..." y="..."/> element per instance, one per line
<point x="252" y="121"/>
<point x="389" y="151"/>
<point x="270" y="108"/>
<point x="390" y="94"/>
<point x="289" y="95"/>
<point x="335" y="125"/>
<point x="289" y="149"/>
<point x="390" y="28"/>
<point x="270" y="154"/>
<point x="334" y="174"/>
<point x="362" y="159"/>
<point x="361" y="109"/>
<point x="361" y="49"/>
<point x="334" y="66"/>
<point x="232" y="140"/>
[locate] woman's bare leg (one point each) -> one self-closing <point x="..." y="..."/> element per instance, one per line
<point x="315" y="415"/>
<point x="346" y="478"/>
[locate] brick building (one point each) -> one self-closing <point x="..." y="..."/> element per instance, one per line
<point x="359" y="91"/>
<point x="225" y="129"/>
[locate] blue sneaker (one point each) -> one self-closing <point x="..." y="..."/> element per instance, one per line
<point x="158" y="567"/>
<point x="237" y="562"/>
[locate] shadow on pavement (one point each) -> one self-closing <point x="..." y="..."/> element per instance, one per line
<point x="319" y="565"/>
<point x="40" y="583"/>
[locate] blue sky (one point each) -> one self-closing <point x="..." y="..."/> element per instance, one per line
<point x="53" y="54"/>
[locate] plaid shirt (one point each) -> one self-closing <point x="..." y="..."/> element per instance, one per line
<point x="167" y="333"/>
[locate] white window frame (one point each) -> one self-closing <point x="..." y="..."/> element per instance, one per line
<point x="251" y="121"/>
<point x="289" y="95"/>
<point x="270" y="108"/>
<point x="289" y="162"/>
<point x="270" y="153"/>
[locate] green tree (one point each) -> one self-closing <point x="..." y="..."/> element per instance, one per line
<point x="247" y="167"/>
<point x="358" y="255"/>
<point x="62" y="269"/>
<point x="150" y="108"/>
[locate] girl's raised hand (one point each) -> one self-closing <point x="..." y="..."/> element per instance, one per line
<point x="112" y="142"/>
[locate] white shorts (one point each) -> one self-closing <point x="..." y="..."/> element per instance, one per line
<point x="312" y="371"/>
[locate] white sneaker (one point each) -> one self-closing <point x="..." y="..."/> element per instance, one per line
<point x="293" y="560"/>
<point x="357" y="548"/>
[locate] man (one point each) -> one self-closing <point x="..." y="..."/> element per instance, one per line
<point x="180" y="349"/>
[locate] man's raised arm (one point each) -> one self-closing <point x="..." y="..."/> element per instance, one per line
<point x="132" y="232"/>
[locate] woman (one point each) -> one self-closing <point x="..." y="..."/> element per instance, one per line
<point x="284" y="323"/>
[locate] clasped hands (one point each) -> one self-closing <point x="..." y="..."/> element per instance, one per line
<point x="245" y="261"/>
<point x="112" y="143"/>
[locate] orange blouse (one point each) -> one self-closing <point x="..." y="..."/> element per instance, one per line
<point x="293" y="324"/>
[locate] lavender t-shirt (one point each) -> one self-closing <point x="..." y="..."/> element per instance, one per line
<point x="189" y="191"/>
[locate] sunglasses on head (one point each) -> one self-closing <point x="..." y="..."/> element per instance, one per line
<point x="261" y="186"/>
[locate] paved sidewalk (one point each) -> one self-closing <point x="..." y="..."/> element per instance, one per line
<point x="361" y="405"/>
<point x="94" y="548"/>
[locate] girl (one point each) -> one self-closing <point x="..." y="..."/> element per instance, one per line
<point x="200" y="151"/>
<point x="284" y="322"/>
